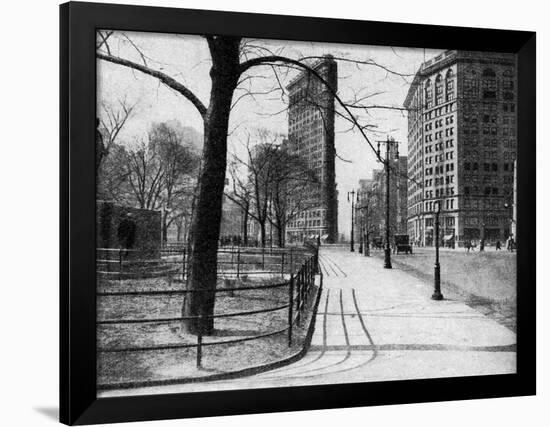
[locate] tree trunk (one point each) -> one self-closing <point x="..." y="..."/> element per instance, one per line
<point x="164" y="228"/>
<point x="245" y="228"/>
<point x="199" y="303"/>
<point x="179" y="227"/>
<point x="262" y="233"/>
<point x="280" y="232"/>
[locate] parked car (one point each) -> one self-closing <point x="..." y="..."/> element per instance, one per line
<point x="402" y="244"/>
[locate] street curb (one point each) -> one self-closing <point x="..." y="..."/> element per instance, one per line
<point x="233" y="374"/>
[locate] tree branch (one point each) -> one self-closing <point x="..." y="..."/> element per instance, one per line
<point x="167" y="80"/>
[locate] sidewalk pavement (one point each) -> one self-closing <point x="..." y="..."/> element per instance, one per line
<point x="376" y="324"/>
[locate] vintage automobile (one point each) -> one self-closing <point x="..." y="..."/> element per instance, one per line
<point x="402" y="244"/>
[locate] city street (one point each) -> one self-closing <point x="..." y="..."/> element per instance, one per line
<point x="375" y="324"/>
<point x="485" y="280"/>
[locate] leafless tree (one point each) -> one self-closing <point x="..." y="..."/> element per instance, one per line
<point x="179" y="163"/>
<point x="112" y="119"/>
<point x="241" y="194"/>
<point x="233" y="60"/>
<point x="294" y="189"/>
<point x="259" y="168"/>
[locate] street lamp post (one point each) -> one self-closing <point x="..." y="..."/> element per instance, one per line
<point x="437" y="295"/>
<point x="352" y="243"/>
<point x="364" y="221"/>
<point x="389" y="141"/>
<point x="360" y="229"/>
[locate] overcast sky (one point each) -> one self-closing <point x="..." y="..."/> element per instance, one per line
<point x="186" y="58"/>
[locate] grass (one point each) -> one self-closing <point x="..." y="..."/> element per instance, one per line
<point x="142" y="366"/>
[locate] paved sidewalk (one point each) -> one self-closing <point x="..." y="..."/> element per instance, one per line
<point x="375" y="324"/>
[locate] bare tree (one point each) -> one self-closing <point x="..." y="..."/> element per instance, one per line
<point x="112" y="119"/>
<point x="145" y="175"/>
<point x="241" y="195"/>
<point x="294" y="189"/>
<point x="232" y="60"/>
<point x="112" y="177"/>
<point x="179" y="162"/>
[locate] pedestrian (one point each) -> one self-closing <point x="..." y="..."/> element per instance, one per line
<point x="497" y="246"/>
<point x="468" y="245"/>
<point x="126" y="233"/>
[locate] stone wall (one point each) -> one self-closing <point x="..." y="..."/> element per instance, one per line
<point x="147" y="241"/>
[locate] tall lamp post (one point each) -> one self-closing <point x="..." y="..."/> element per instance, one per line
<point x="437" y="295"/>
<point x="364" y="229"/>
<point x="360" y="227"/>
<point x="352" y="243"/>
<point x="389" y="142"/>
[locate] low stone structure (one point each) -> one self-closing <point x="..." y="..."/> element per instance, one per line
<point x="122" y="227"/>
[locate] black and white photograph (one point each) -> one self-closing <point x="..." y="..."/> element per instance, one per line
<point x="287" y="213"/>
<point x="273" y="213"/>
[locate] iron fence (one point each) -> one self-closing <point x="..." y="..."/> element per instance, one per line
<point x="297" y="268"/>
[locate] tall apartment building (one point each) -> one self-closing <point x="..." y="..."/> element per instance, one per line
<point x="462" y="145"/>
<point x="311" y="136"/>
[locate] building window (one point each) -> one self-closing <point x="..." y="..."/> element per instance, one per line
<point x="471" y="84"/>
<point x="438" y="90"/>
<point x="428" y="93"/>
<point x="489" y="84"/>
<point x="449" y="85"/>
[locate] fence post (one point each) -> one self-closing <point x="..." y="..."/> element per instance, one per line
<point x="304" y="288"/>
<point x="308" y="275"/>
<point x="183" y="266"/>
<point x="282" y="264"/>
<point x="317" y="260"/>
<point x="238" y="260"/>
<point x="312" y="273"/>
<point x="308" y="268"/>
<point x="290" y="307"/>
<point x="119" y="266"/>
<point x="299" y="295"/>
<point x="199" y="347"/>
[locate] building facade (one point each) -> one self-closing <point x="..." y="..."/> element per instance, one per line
<point x="462" y="144"/>
<point x="311" y="136"/>
<point x="372" y="193"/>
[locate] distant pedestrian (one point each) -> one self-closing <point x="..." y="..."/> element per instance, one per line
<point x="497" y="246"/>
<point x="468" y="245"/>
<point x="512" y="244"/>
<point x="509" y="243"/>
<point x="126" y="233"/>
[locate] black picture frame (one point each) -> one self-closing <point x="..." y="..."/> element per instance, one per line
<point x="78" y="402"/>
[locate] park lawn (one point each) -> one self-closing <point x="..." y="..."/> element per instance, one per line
<point x="173" y="364"/>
